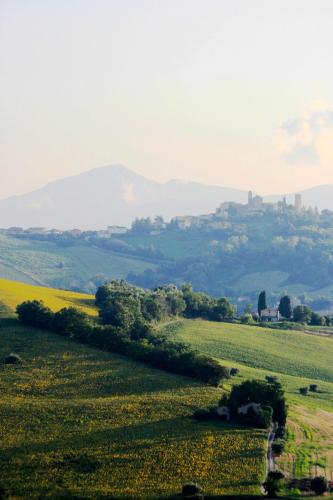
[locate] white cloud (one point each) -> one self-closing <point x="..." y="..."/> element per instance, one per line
<point x="308" y="139"/>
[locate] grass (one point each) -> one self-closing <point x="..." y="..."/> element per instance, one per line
<point x="291" y="352"/>
<point x="47" y="263"/>
<point x="298" y="359"/>
<point x="83" y="422"/>
<point x="13" y="293"/>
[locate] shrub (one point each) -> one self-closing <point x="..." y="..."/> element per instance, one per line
<point x="319" y="485"/>
<point x="13" y="359"/>
<point x="34" y="313"/>
<point x="302" y="314"/>
<point x="70" y="322"/>
<point x="281" y="432"/>
<point x="192" y="490"/>
<point x="247" y="319"/>
<point x="271" y="379"/>
<point x="313" y="387"/>
<point x="278" y="446"/>
<point x="234" y="371"/>
<point x="304" y="390"/>
<point x="274" y="483"/>
<point x="82" y="464"/>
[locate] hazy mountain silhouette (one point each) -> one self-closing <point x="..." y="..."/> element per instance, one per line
<point x="110" y="195"/>
<point x="116" y="195"/>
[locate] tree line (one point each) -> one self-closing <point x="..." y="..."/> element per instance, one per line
<point x="126" y="326"/>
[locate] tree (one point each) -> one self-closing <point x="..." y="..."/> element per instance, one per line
<point x="121" y="311"/>
<point x="258" y="391"/>
<point x="34" y="313"/>
<point x="285" y="307"/>
<point x="319" y="485"/>
<point x="70" y="322"/>
<point x="302" y="314"/>
<point x="222" y="310"/>
<point x="317" y="319"/>
<point x="262" y="302"/>
<point x="274" y="483"/>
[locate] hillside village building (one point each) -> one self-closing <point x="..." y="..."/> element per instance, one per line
<point x="255" y="204"/>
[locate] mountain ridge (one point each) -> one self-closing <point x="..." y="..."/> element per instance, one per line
<point x="116" y="195"/>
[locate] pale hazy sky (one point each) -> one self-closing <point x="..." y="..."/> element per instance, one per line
<point x="236" y="93"/>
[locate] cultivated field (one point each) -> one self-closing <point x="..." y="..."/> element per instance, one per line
<point x="298" y="359"/>
<point x="13" y="293"/>
<point x="40" y="262"/>
<point x="84" y="422"/>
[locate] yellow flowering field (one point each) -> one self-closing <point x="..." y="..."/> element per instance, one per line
<point x="79" y="421"/>
<point x="13" y="293"/>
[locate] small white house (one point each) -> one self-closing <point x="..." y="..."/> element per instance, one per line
<point x="243" y="410"/>
<point x="223" y="411"/>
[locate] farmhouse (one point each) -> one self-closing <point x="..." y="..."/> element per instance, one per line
<point x="223" y="412"/>
<point x="243" y="410"/>
<point x="270" y="314"/>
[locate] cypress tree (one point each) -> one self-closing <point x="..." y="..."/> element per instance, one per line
<point x="285" y="307"/>
<point x="262" y="303"/>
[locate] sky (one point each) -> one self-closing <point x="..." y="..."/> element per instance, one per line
<point x="235" y="93"/>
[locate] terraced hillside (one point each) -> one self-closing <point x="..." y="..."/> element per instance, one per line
<point x="298" y="359"/>
<point x="84" y="422"/>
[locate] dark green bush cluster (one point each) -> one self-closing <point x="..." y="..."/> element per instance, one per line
<point x="192" y="491"/>
<point x="274" y="483"/>
<point x="136" y="340"/>
<point x="319" y="485"/>
<point x="270" y="396"/>
<point x="201" y="305"/>
<point x="278" y="446"/>
<point x="121" y="304"/>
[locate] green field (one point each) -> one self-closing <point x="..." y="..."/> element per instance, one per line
<point x="80" y="421"/>
<point x="84" y="422"/>
<point x="42" y="263"/>
<point x="298" y="359"/>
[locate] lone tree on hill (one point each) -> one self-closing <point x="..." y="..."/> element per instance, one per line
<point x="285" y="307"/>
<point x="262" y="303"/>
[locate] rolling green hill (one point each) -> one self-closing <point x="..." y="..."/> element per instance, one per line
<point x="283" y="351"/>
<point x="71" y="267"/>
<point x="235" y="254"/>
<point x="298" y="359"/>
<point x="79" y="421"/>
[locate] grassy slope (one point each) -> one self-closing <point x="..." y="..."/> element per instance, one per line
<point x="291" y="352"/>
<point x="44" y="262"/>
<point x="13" y="293"/>
<point x="298" y="359"/>
<point x="91" y="423"/>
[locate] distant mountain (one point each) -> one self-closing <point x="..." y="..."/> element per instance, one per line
<point x="318" y="196"/>
<point x="111" y="195"/>
<point x="115" y="195"/>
